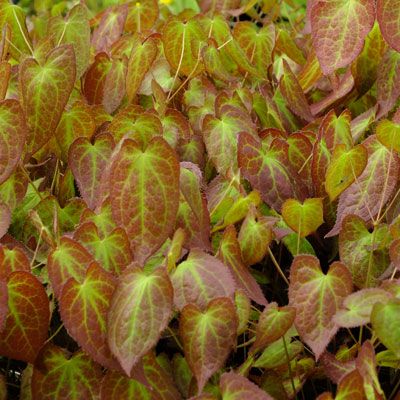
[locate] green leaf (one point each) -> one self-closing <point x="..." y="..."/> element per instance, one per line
<point x="45" y="90"/>
<point x="59" y="375"/>
<point x="13" y="189"/>
<point x="84" y="307"/>
<point x="338" y="29"/>
<point x="141" y="183"/>
<point x="74" y="30"/>
<point x="200" y="279"/>
<point x="13" y="133"/>
<point x="386" y="323"/>
<point x="214" y="328"/>
<point x="388" y="133"/>
<point x="27" y="322"/>
<point x="140" y="310"/>
<point x="317" y="297"/>
<point x="303" y="218"/>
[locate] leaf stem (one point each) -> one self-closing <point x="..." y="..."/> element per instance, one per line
<point x="277" y="266"/>
<point x="289" y="366"/>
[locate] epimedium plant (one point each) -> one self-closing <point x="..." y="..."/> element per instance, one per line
<point x="200" y="200"/>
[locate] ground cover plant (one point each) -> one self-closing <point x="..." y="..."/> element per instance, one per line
<point x="200" y="200"/>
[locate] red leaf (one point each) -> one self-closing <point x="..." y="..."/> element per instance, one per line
<point x="351" y="387"/>
<point x="237" y="387"/>
<point x="387" y="12"/>
<point x="5" y="219"/>
<point x="317" y="297"/>
<point x="13" y="132"/>
<point x="12" y="260"/>
<point x="215" y="328"/>
<point x="45" y="90"/>
<point x="59" y="375"/>
<point x="201" y="278"/>
<point x="28" y="317"/>
<point x="142" y="183"/>
<point x="335" y="369"/>
<point x="83" y="307"/>
<point x="140" y="310"/>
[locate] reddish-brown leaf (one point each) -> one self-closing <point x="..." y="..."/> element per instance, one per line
<point x="12" y="260"/>
<point x="5" y="219"/>
<point x="27" y="322"/>
<point x="387" y="12"/>
<point x="3" y="302"/>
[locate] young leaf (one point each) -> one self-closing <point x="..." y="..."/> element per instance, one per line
<point x="45" y="90"/>
<point x="303" y="218"/>
<point x="142" y="183"/>
<point x="87" y="162"/>
<point x="74" y="30"/>
<point x="364" y="253"/>
<point x="12" y="136"/>
<point x="201" y="278"/>
<point x="237" y="387"/>
<point x="338" y="30"/>
<point x="83" y="309"/>
<point x="388" y="133"/>
<point x="25" y="328"/>
<point x="68" y="260"/>
<point x="386" y="12"/>
<point x="140" y="310"/>
<point x="317" y="297"/>
<point x="214" y="328"/>
<point x="60" y="375"/>
<point x="229" y="253"/>
<point x="273" y="323"/>
<point x="344" y="168"/>
<point x="386" y="324"/>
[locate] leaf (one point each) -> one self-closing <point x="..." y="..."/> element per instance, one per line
<point x="255" y="236"/>
<point x="317" y="297"/>
<point x="388" y="82"/>
<point x="12" y="260"/>
<point x="243" y="304"/>
<point x="200" y="279"/>
<point x="237" y="387"/>
<point x="59" y="375"/>
<point x="229" y="252"/>
<point x="351" y="387"/>
<point x="182" y="42"/>
<point x="12" y="137"/>
<point x="141" y="182"/>
<point x="386" y="324"/>
<point x="182" y="374"/>
<point x="388" y="133"/>
<point x="83" y="308"/>
<point x="141" y="15"/>
<point x="140" y="310"/>
<point x="68" y="260"/>
<point x="267" y="169"/>
<point x="112" y="251"/>
<point x="303" y="218"/>
<point x="115" y="386"/>
<point x="293" y="94"/>
<point x="45" y="90"/>
<point x="74" y="30"/>
<point x="273" y="323"/>
<point x="27" y="322"/>
<point x="87" y="162"/>
<point x="140" y="62"/>
<point x="373" y="188"/>
<point x="77" y="122"/>
<point x="5" y="219"/>
<point x="334" y="368"/>
<point x="3" y="302"/>
<point x="220" y="135"/>
<point x="344" y="168"/>
<point x="356" y="308"/>
<point x="365" y="256"/>
<point x="386" y="11"/>
<point x="5" y="72"/>
<point x="214" y="328"/>
<point x="338" y="31"/>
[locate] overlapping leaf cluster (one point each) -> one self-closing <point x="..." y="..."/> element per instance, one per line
<point x="200" y="200"/>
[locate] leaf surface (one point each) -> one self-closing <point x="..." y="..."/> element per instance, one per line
<point x="386" y="13"/>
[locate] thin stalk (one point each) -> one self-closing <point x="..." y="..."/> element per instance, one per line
<point x="289" y="366"/>
<point x="277" y="266"/>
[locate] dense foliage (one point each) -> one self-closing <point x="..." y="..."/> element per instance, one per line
<point x="200" y="201"/>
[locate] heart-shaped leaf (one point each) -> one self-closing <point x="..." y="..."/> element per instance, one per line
<point x="45" y="90"/>
<point x="214" y="328"/>
<point x="140" y="310"/>
<point x="59" y="375"/>
<point x="84" y="307"/>
<point x="27" y="321"/>
<point x="141" y="15"/>
<point x="317" y="297"/>
<point x="386" y="12"/>
<point x="213" y="279"/>
<point x="338" y="30"/>
<point x="303" y="218"/>
<point x="141" y="183"/>
<point x="12" y="136"/>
